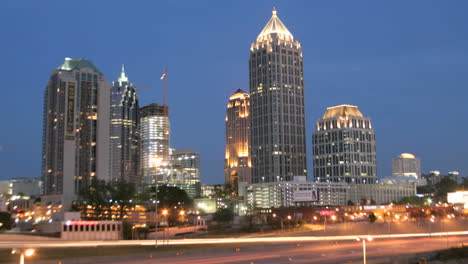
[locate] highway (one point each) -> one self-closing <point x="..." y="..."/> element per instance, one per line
<point x="391" y="250"/>
<point x="199" y="241"/>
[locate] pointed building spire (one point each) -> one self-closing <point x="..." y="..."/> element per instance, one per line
<point x="275" y="26"/>
<point x="123" y="77"/>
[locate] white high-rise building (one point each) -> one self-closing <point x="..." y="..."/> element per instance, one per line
<point x="406" y="165"/>
<point x="154" y="143"/>
<point x="76" y="130"/>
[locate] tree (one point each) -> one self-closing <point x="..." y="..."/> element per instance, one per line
<point x="443" y="187"/>
<point x="97" y="193"/>
<point x="413" y="200"/>
<point x="5" y="221"/>
<point x="372" y="217"/>
<point x="170" y="197"/>
<point x="122" y="193"/>
<point x="223" y="215"/>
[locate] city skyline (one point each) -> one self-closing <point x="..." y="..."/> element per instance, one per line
<point x="401" y="100"/>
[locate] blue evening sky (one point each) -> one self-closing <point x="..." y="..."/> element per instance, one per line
<point x="404" y="63"/>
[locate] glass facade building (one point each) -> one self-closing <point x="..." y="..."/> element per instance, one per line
<point x="277" y="130"/>
<point x="124" y="135"/>
<point x="344" y="147"/>
<point x="185" y="171"/>
<point x="154" y="143"/>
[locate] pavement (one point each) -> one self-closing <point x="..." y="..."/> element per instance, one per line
<point x="383" y="251"/>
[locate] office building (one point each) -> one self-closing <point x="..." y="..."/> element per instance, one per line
<point x="344" y="147"/>
<point x="185" y="171"/>
<point x="434" y="177"/>
<point x="237" y="165"/>
<point x="76" y="130"/>
<point x="406" y="165"/>
<point x="31" y="187"/>
<point x="296" y="194"/>
<point x="154" y="143"/>
<point x="124" y="134"/>
<point x="277" y="130"/>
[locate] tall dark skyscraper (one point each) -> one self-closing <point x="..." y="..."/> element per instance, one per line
<point x="344" y="147"/>
<point x="277" y="131"/>
<point x="124" y="134"/>
<point x="76" y="130"/>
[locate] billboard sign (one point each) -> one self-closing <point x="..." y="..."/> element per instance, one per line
<point x="306" y="196"/>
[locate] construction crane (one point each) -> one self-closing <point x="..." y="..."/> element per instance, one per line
<point x="164" y="78"/>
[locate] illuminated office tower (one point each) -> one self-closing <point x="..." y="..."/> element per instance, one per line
<point x="185" y="171"/>
<point x="344" y="147"/>
<point x="154" y="143"/>
<point x="406" y="165"/>
<point x="277" y="130"/>
<point x="76" y="130"/>
<point x="124" y="131"/>
<point x="237" y="158"/>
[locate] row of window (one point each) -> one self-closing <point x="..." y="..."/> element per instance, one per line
<point x="92" y="228"/>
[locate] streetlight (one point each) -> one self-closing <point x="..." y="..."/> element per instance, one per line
<point x="363" y="239"/>
<point x="23" y="252"/>
<point x="165" y="212"/>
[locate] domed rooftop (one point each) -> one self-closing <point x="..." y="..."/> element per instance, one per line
<point x="71" y="64"/>
<point x="407" y="156"/>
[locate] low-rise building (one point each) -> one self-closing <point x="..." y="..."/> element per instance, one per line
<point x="380" y="193"/>
<point x="309" y="194"/>
<point x="295" y="194"/>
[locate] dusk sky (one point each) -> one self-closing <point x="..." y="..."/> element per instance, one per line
<point x="403" y="63"/>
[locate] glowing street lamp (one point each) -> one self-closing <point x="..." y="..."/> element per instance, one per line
<point x="23" y="252"/>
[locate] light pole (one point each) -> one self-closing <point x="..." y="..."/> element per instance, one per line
<point x="363" y="239"/>
<point x="164" y="212"/>
<point x="23" y="252"/>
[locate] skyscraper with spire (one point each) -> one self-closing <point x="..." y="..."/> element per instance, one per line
<point x="277" y="131"/>
<point x="124" y="134"/>
<point x="76" y="130"/>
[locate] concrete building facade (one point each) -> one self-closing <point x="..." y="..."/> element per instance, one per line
<point x="76" y="130"/>
<point x="406" y="165"/>
<point x="237" y="164"/>
<point x="344" y="147"/>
